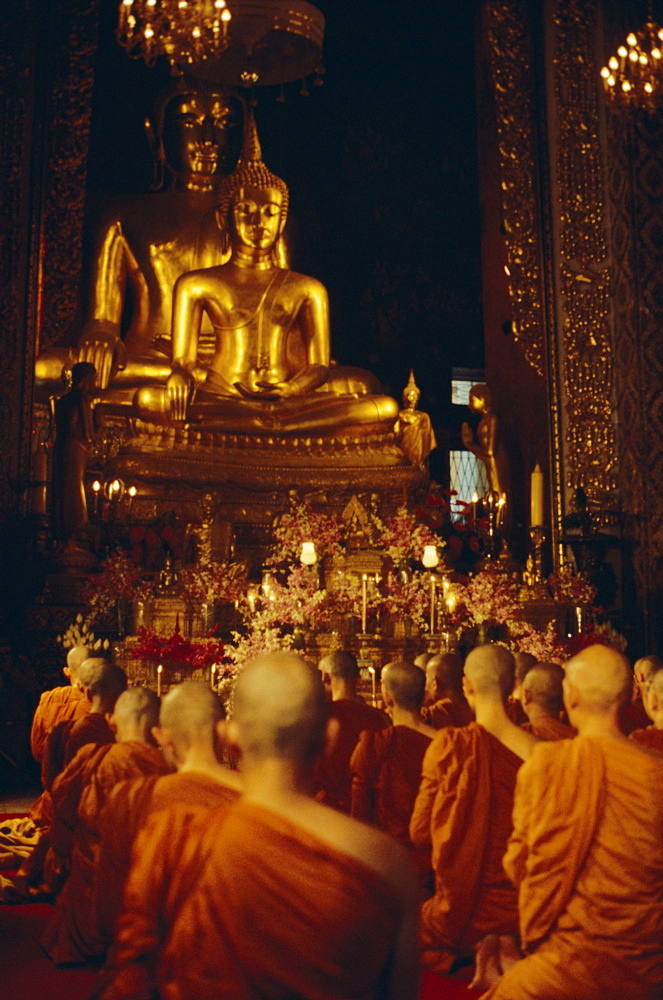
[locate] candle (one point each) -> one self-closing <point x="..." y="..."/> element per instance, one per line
<point x="475" y="501"/>
<point x="96" y="487"/>
<point x="536" y="498"/>
<point x="212" y="675"/>
<point x="159" y="673"/>
<point x="432" y="604"/>
<point x="371" y="671"/>
<point x="364" y="601"/>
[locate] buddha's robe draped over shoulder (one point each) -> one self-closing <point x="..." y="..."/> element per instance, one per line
<point x="464" y="810"/>
<point x="547" y="728"/>
<point x="386" y="771"/>
<point x="127" y="810"/>
<point x="587" y="856"/>
<point x="71" y="935"/>
<point x="333" y="767"/>
<point x="166" y="858"/>
<point x="269" y="917"/>
<point x="650" y="737"/>
<point x="448" y="712"/>
<point x="57" y="705"/>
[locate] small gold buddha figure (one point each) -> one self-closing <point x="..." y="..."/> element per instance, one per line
<point x="270" y="371"/>
<point x="488" y="445"/>
<point x="144" y="242"/>
<point x="415" y="431"/>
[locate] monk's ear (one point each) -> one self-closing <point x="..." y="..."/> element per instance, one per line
<point x="221" y="737"/>
<point x="112" y="722"/>
<point x="232" y="738"/>
<point x="332" y="733"/>
<point x="525" y="696"/>
<point x="161" y="736"/>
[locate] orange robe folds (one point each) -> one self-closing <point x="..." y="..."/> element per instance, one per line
<point x="333" y="768"/>
<point x="464" y="810"/>
<point x="649" y="737"/>
<point x="587" y="856"/>
<point x="71" y="935"/>
<point x="55" y="706"/>
<point x="276" y="912"/>
<point x="448" y="712"/>
<point x="93" y="728"/>
<point x="166" y="858"/>
<point x="127" y="810"/>
<point x="547" y="728"/>
<point x="386" y="771"/>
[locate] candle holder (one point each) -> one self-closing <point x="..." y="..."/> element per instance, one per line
<point x="536" y="583"/>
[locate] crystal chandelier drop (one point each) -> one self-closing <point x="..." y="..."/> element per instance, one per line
<point x="185" y="31"/>
<point x="633" y="78"/>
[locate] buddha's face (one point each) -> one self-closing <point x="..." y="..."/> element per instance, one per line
<point x="256" y="216"/>
<point x="202" y="136"/>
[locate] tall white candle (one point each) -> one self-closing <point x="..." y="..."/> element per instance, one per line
<point x="159" y="673"/>
<point x="536" y="498"/>
<point x="432" y="604"/>
<point x="364" y="601"/>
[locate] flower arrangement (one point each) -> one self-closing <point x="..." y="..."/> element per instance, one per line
<point x="79" y="633"/>
<point x="176" y="650"/>
<point x="408" y="599"/>
<point x="568" y="587"/>
<point x="306" y="525"/>
<point x="119" y="578"/>
<point x="214" y="580"/>
<point x="491" y="597"/>
<point x="405" y="537"/>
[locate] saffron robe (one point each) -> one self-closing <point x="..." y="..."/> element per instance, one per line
<point x="93" y="728"/>
<point x="57" y="705"/>
<point x="166" y="857"/>
<point x="332" y="772"/>
<point x="448" y="712"/>
<point x="278" y="913"/>
<point x="650" y="737"/>
<point x="548" y="728"/>
<point x="71" y="935"/>
<point x="587" y="856"/>
<point x="386" y="771"/>
<point x="464" y="810"/>
<point x="127" y="810"/>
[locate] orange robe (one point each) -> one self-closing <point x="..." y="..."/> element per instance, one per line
<point x="448" y="712"/>
<point x="57" y="705"/>
<point x="634" y="716"/>
<point x="93" y="728"/>
<point x="276" y="912"/>
<point x="386" y="771"/>
<point x="650" y="737"/>
<point x="548" y="728"/>
<point x="587" y="856"/>
<point x="71" y="936"/>
<point x="464" y="810"/>
<point x="126" y="811"/>
<point x="333" y="767"/>
<point x="166" y="858"/>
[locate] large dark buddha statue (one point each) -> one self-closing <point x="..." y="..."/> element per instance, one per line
<point x="270" y="370"/>
<point x="144" y="242"/>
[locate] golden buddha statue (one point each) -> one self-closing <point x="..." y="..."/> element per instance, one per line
<point x="144" y="242"/>
<point x="271" y="370"/>
<point x="415" y="431"/>
<point x="487" y="446"/>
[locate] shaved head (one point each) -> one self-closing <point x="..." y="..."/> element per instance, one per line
<point x="341" y="663"/>
<point x="600" y="678"/>
<point x="138" y="704"/>
<point x="523" y="664"/>
<point x="490" y="669"/>
<point x="281" y="708"/>
<point x="405" y="683"/>
<point x="543" y="683"/>
<point x="444" y="671"/>
<point x="190" y="713"/>
<point x="76" y="656"/>
<point x="646" y="667"/>
<point x="655" y="684"/>
<point x="102" y="679"/>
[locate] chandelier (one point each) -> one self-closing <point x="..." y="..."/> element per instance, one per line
<point x="272" y="41"/>
<point x="185" y="31"/>
<point x="633" y="77"/>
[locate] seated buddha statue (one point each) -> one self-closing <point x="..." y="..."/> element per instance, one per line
<point x="270" y="371"/>
<point x="143" y="242"/>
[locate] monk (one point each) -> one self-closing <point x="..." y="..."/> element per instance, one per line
<point x="463" y="810"/>
<point x="190" y="732"/>
<point x="103" y="683"/>
<point x="78" y="798"/>
<point x="445" y="701"/>
<point x="634" y="714"/>
<point x="524" y="663"/>
<point x="60" y="703"/>
<point x="587" y="852"/>
<point x="386" y="765"/>
<point x="293" y="899"/>
<point x="341" y="673"/>
<point x="542" y="701"/>
<point x="652" y="736"/>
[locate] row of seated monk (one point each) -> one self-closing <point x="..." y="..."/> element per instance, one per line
<point x="345" y="846"/>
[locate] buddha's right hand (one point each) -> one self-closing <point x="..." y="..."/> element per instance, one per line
<point x="178" y="389"/>
<point x="100" y="347"/>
